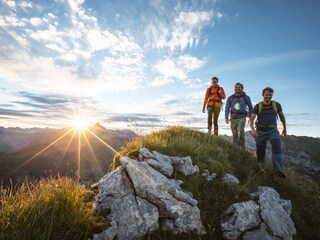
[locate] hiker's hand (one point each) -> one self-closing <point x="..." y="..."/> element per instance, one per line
<point x="284" y="133"/>
<point x="254" y="133"/>
<point x="203" y="111"/>
<point x="227" y="121"/>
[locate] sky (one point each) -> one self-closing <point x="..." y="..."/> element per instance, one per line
<point x="145" y="64"/>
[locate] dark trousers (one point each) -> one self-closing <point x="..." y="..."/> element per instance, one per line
<point x="213" y="114"/>
<point x="273" y="137"/>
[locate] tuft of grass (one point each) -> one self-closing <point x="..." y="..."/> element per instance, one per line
<point x="53" y="208"/>
<point x="220" y="156"/>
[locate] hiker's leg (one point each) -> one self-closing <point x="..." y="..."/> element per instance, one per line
<point x="216" y="112"/>
<point x="275" y="141"/>
<point x="241" y="125"/>
<point x="210" y="111"/>
<point x="261" y="143"/>
<point x="234" y="130"/>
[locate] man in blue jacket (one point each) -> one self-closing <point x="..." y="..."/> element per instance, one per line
<point x="239" y="106"/>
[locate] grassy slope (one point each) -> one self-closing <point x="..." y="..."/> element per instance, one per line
<point x="220" y="156"/>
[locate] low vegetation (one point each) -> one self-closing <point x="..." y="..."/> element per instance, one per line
<point x="61" y="208"/>
<point x="54" y="208"/>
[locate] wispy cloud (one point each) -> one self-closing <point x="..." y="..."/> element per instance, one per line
<point x="266" y="60"/>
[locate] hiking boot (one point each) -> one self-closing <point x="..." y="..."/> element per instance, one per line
<point x="280" y="174"/>
<point x="209" y="131"/>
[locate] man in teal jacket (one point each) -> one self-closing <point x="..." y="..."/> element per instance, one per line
<point x="239" y="106"/>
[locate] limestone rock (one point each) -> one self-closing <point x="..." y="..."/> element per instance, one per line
<point x="230" y="179"/>
<point x="139" y="197"/>
<point x="266" y="216"/>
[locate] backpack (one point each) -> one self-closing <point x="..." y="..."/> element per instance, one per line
<point x="274" y="105"/>
<point x="210" y="92"/>
<point x="244" y="97"/>
<point x="218" y="94"/>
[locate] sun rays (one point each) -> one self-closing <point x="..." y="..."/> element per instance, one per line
<point x="77" y="134"/>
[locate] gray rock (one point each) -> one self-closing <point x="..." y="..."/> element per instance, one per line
<point x="209" y="177"/>
<point x="260" y="234"/>
<point x="108" y="234"/>
<point x="274" y="215"/>
<point x="133" y="216"/>
<point x="265" y="217"/>
<point x="230" y="179"/>
<point x="139" y="195"/>
<point x="171" y="202"/>
<point x="239" y="218"/>
<point x="144" y="154"/>
<point x="185" y="165"/>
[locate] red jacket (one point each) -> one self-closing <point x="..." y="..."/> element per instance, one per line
<point x="213" y="98"/>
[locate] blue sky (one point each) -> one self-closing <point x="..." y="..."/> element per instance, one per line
<point x="144" y="65"/>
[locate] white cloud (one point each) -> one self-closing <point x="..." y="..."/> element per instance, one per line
<point x="35" y="21"/>
<point x="183" y="32"/>
<point x="124" y="72"/>
<point x="25" y="4"/>
<point x="177" y="69"/>
<point x="21" y="39"/>
<point x="55" y="47"/>
<point x="11" y="20"/>
<point x="11" y="4"/>
<point x="75" y="4"/>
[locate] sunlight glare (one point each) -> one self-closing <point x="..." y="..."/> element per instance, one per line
<point x="80" y="123"/>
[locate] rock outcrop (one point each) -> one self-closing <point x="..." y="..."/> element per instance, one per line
<point x="266" y="216"/>
<point x="141" y="197"/>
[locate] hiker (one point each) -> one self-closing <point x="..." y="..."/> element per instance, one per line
<point x="213" y="101"/>
<point x="237" y="105"/>
<point x="266" y="129"/>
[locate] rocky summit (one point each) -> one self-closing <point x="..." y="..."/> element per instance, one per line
<point x="141" y="197"/>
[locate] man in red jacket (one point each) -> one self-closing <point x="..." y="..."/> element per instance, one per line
<point x="213" y="101"/>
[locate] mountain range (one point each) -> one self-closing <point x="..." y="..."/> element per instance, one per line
<point x="39" y="152"/>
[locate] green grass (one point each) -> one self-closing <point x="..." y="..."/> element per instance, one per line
<point x="50" y="208"/>
<point x="220" y="156"/>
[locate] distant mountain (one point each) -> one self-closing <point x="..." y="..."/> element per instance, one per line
<point x="41" y="152"/>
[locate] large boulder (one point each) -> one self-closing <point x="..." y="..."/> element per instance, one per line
<point x="139" y="197"/>
<point x="266" y="216"/>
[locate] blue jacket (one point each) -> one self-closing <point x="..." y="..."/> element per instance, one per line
<point x="238" y="108"/>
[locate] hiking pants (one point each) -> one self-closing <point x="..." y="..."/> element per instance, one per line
<point x="273" y="137"/>
<point x="213" y="112"/>
<point x="237" y="128"/>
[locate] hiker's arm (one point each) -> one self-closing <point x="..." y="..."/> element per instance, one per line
<point x="249" y="104"/>
<point x="227" y="111"/>
<point x="284" y="125"/>
<point x="251" y="120"/>
<point x="205" y="101"/>
<point x="222" y="93"/>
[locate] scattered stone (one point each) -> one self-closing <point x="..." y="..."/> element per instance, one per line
<point x="230" y="179"/>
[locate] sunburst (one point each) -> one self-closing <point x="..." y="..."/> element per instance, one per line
<point x="80" y="123"/>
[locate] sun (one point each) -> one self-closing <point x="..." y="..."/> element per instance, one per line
<point x="80" y="123"/>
